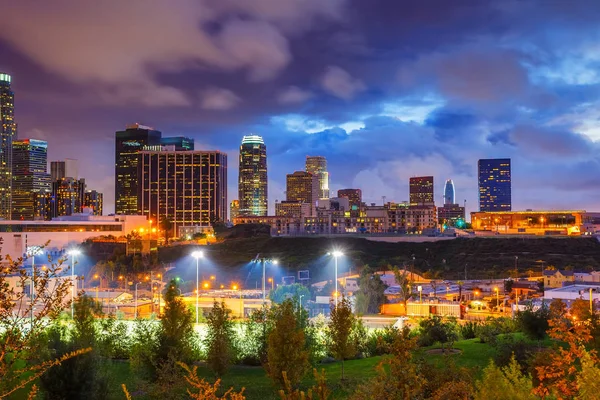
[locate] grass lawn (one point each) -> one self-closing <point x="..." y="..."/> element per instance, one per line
<point x="473" y="354"/>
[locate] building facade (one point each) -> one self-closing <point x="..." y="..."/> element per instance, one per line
<point x="421" y="190"/>
<point x="494" y="184"/>
<point x="67" y="168"/>
<point x="252" y="181"/>
<point x="8" y="132"/>
<point x="302" y="187"/>
<point x="533" y="222"/>
<point x="451" y="215"/>
<point x="188" y="188"/>
<point x="30" y="176"/>
<point x="449" y="194"/>
<point x="234" y="209"/>
<point x="354" y="197"/>
<point x="94" y="200"/>
<point x="317" y="165"/>
<point x="295" y="209"/>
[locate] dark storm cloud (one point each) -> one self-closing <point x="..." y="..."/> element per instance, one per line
<point x="385" y="90"/>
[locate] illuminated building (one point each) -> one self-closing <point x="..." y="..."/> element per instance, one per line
<point x="296" y="209"/>
<point x="302" y="187"/>
<point x="252" y="184"/>
<point x="529" y="222"/>
<point x="317" y="165"/>
<point x="234" y="209"/>
<point x="494" y="184"/>
<point x="421" y="190"/>
<point x="451" y="215"/>
<point x="94" y="200"/>
<point x="8" y="131"/>
<point x="354" y="197"/>
<point x="449" y="192"/>
<point x="29" y="171"/>
<point x="69" y="168"/>
<point x="188" y="188"/>
<point x="68" y="195"/>
<point x="129" y="143"/>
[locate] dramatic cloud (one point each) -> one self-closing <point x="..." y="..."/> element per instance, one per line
<point x="219" y="99"/>
<point x="293" y="95"/>
<point x="339" y="83"/>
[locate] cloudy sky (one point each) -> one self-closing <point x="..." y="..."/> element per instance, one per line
<point x="384" y="89"/>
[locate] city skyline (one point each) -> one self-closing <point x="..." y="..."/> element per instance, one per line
<point x="384" y="106"/>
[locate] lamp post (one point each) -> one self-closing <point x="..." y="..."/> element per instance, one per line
<point x="272" y="282"/>
<point x="263" y="261"/>
<point x="197" y="255"/>
<point x="73" y="253"/>
<point x="136" y="300"/>
<point x="32" y="251"/>
<point x="420" y="289"/>
<point x="497" y="298"/>
<point x="335" y="255"/>
<point x="301" y="296"/>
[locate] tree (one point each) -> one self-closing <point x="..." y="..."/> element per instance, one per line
<point x="340" y="328"/>
<point x="20" y="328"/>
<point x="534" y="324"/>
<point x="580" y="310"/>
<point x="507" y="383"/>
<point x="284" y="292"/>
<point x="588" y="380"/>
<point x="286" y="347"/>
<point x="435" y="330"/>
<point x="166" y="224"/>
<point x="219" y="338"/>
<point x="402" y="279"/>
<point x="371" y="293"/>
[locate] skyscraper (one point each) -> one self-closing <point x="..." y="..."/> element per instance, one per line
<point x="128" y="144"/>
<point x="303" y="187"/>
<point x="94" y="200"/>
<point x="494" y="184"/>
<point x="421" y="191"/>
<point x="30" y="176"/>
<point x="189" y="188"/>
<point x="317" y="165"/>
<point x="68" y="168"/>
<point x="67" y="196"/>
<point x="8" y="131"/>
<point x="449" y="192"/>
<point x="252" y="184"/>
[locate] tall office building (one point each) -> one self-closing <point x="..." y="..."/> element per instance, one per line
<point x="189" y="188"/>
<point x="8" y="131"/>
<point x="494" y="184"/>
<point x="449" y="192"/>
<point x="303" y="187"/>
<point x="68" y="168"/>
<point x="67" y="197"/>
<point x="30" y="176"/>
<point x="94" y="200"/>
<point x="181" y="143"/>
<point x="317" y="165"/>
<point x="234" y="209"/>
<point x="421" y="191"/>
<point x="354" y="197"/>
<point x="252" y="183"/>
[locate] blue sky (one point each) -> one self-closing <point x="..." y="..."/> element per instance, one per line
<point x="385" y="90"/>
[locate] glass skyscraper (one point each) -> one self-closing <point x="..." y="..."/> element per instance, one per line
<point x="449" y="192"/>
<point x="30" y="176"/>
<point x="8" y="131"/>
<point x="252" y="181"/>
<point x="494" y="184"/>
<point x="317" y="165"/>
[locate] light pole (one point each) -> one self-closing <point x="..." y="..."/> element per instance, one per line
<point x="263" y="261"/>
<point x="32" y="251"/>
<point x="73" y="253"/>
<point x="197" y="255"/>
<point x="497" y="298"/>
<point x="420" y="289"/>
<point x="301" y="296"/>
<point x="272" y="282"/>
<point x="136" y="300"/>
<point x="335" y="255"/>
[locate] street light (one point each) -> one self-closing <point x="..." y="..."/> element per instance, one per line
<point x="73" y="253"/>
<point x="336" y="254"/>
<point x="136" y="300"/>
<point x="264" y="260"/>
<point x="497" y="298"/>
<point x="420" y="289"/>
<point x="272" y="282"/>
<point x="32" y="251"/>
<point x="197" y="255"/>
<point x="301" y="296"/>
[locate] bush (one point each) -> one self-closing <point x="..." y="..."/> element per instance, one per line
<point x="380" y="341"/>
<point x="114" y="340"/>
<point x="468" y="330"/>
<point x="508" y="346"/>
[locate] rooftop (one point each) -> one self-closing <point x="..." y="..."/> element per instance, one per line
<point x="577" y="288"/>
<point x="252" y="139"/>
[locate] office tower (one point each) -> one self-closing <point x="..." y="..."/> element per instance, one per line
<point x="127" y="146"/>
<point x="68" y="168"/>
<point x="67" y="196"/>
<point x="188" y="188"/>
<point x="494" y="184"/>
<point x="94" y="200"/>
<point x="421" y="191"/>
<point x="234" y="209"/>
<point x="29" y="172"/>
<point x="317" y="165"/>
<point x="8" y="131"/>
<point x="181" y="143"/>
<point x="252" y="184"/>
<point x="303" y="187"/>
<point x="449" y="192"/>
<point x="354" y="197"/>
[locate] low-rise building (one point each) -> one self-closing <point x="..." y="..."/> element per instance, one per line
<point x="557" y="278"/>
<point x="574" y="292"/>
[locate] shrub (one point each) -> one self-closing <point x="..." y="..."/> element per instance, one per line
<point x="468" y="330"/>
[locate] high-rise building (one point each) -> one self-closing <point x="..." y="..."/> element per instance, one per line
<point x="94" y="200"/>
<point x="188" y="188"/>
<point x="68" y="168"/>
<point x="449" y="192"/>
<point x="8" y="131"/>
<point x="67" y="197"/>
<point x="354" y="197"/>
<point x="181" y="143"/>
<point x="317" y="165"/>
<point x="127" y="146"/>
<point x="29" y="172"/>
<point x="303" y="187"/>
<point x="252" y="184"/>
<point x="421" y="191"/>
<point x="234" y="209"/>
<point x="494" y="184"/>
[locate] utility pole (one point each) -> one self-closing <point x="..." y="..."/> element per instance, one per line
<point x="466" y="271"/>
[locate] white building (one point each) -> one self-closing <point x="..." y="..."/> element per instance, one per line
<point x="574" y="292"/>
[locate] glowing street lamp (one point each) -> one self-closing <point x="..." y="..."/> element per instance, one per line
<point x="73" y="253"/>
<point x="272" y="282"/>
<point x="264" y="261"/>
<point x="336" y="254"/>
<point x="197" y="255"/>
<point x="420" y="289"/>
